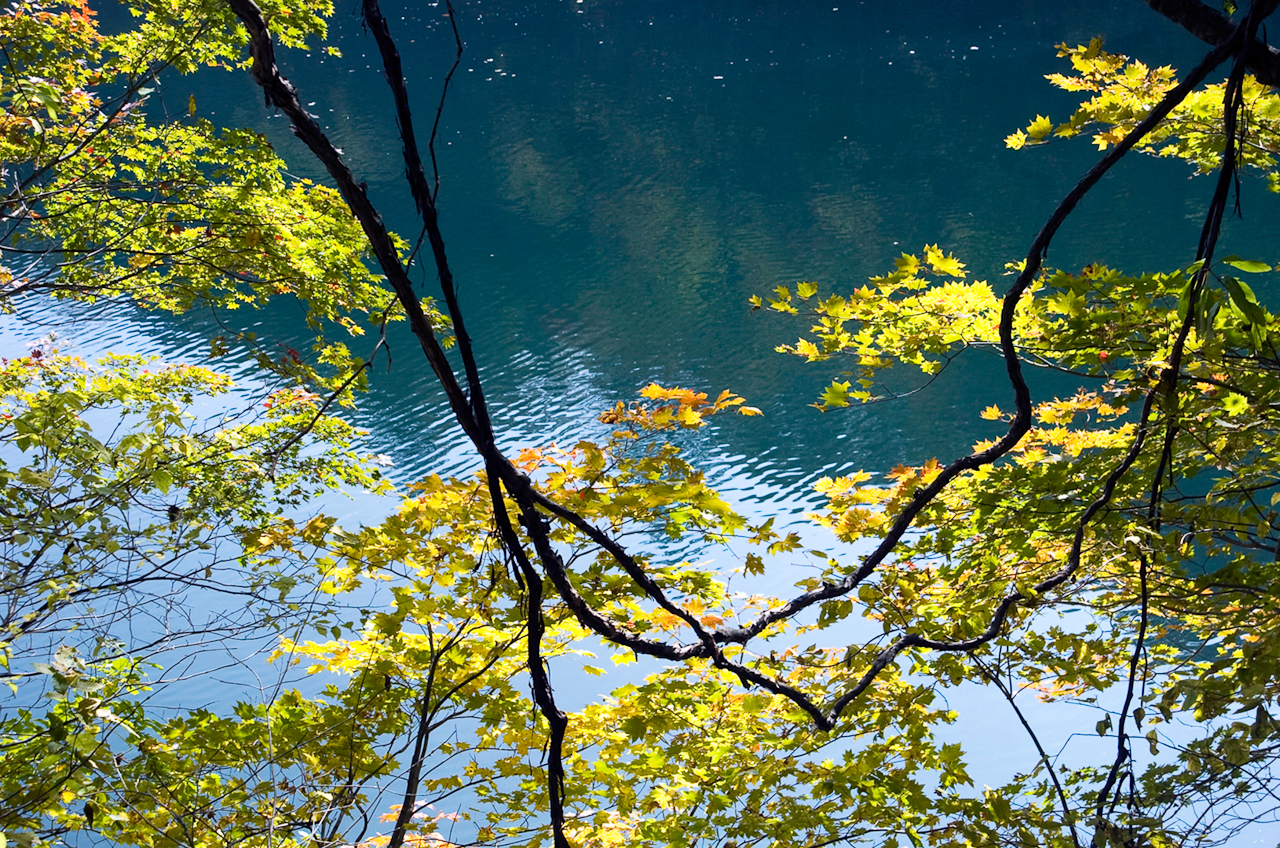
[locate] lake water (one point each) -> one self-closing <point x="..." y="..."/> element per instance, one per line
<point x="619" y="177"/>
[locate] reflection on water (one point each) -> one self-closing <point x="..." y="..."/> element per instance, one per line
<point x="619" y="178"/>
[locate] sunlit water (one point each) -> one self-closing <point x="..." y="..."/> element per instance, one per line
<point x="617" y="178"/>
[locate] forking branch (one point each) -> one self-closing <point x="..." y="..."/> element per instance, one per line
<point x="470" y="408"/>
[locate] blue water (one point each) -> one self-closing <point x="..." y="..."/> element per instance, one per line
<point x="617" y="178"/>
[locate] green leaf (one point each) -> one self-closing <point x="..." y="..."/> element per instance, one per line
<point x="1247" y="265"/>
<point x="836" y="395"/>
<point x="1234" y="404"/>
<point x="1243" y="298"/>
<point x="634" y="726"/>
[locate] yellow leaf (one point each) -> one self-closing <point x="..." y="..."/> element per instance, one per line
<point x="688" y="418"/>
<point x="804" y="347"/>
<point x="902" y="473"/>
<point x="943" y="263"/>
<point x="1040" y="127"/>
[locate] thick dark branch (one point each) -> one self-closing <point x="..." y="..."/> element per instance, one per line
<point x="279" y="92"/>
<point x="377" y="24"/>
<point x="543" y="694"/>
<point x="424" y="199"/>
<point x="1212" y="27"/>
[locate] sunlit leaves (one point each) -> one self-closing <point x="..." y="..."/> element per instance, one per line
<point x="915" y="315"/>
<point x="169" y="214"/>
<point x="685" y="409"/>
<point x="1122" y="91"/>
<point x="115" y="498"/>
<point x="1060" y="533"/>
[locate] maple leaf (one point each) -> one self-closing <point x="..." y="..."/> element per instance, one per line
<point x="943" y="263"/>
<point x="1040" y="127"/>
<point x="836" y="395"/>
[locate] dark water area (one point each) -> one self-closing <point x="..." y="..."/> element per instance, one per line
<point x="618" y="178"/>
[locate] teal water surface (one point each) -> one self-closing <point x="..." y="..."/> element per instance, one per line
<point x="619" y="177"/>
